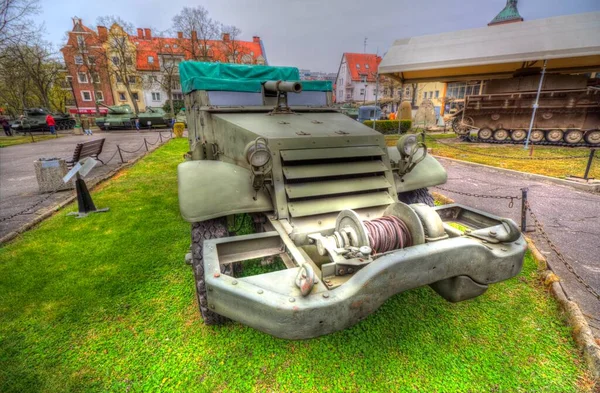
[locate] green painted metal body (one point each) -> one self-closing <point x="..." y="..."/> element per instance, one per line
<point x="34" y="120"/>
<point x="317" y="164"/>
<point x="118" y="116"/>
<point x="153" y="117"/>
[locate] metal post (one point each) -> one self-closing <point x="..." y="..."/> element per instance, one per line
<point x="589" y="164"/>
<point x="524" y="209"/>
<point x="376" y="94"/>
<point x="160" y="137"/>
<point x="535" y="106"/>
<point x="146" y="144"/>
<point x="120" y="154"/>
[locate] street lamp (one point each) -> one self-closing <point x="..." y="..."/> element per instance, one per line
<point x="365" y="95"/>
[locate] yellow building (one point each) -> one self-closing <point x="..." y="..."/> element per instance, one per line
<point x="434" y="91"/>
<point x="126" y="82"/>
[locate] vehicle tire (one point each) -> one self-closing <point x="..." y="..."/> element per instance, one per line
<point x="420" y="195"/>
<point x="500" y="134"/>
<point x="484" y="134"/>
<point x="573" y="136"/>
<point x="554" y="136"/>
<point x="592" y="137"/>
<point x="518" y="135"/>
<point x="536" y="136"/>
<point x="201" y="231"/>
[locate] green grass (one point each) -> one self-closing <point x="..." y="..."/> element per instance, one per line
<point x="480" y="153"/>
<point x="20" y="139"/>
<point x="106" y="303"/>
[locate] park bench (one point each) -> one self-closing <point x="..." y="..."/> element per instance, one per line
<point x="87" y="149"/>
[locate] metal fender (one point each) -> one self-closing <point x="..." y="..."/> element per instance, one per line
<point x="211" y="189"/>
<point x="427" y="173"/>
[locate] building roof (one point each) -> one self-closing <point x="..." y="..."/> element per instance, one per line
<point x="570" y="43"/>
<point x="360" y="64"/>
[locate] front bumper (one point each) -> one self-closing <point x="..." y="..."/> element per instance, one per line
<point x="458" y="268"/>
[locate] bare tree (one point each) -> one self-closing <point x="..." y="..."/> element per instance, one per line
<point x="198" y="30"/>
<point x="15" y="25"/>
<point x="109" y="20"/>
<point x="231" y="46"/>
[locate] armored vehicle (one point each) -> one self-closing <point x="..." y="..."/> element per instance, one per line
<point x="348" y="220"/>
<point x="34" y="120"/>
<point x="568" y="111"/>
<point x="153" y="116"/>
<point x="369" y="112"/>
<point x="118" y="116"/>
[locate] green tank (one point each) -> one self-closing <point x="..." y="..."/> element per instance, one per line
<point x="118" y="116"/>
<point x="153" y="117"/>
<point x="34" y="120"/>
<point x="342" y="221"/>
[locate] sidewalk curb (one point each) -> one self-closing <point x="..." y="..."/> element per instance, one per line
<point x="53" y="209"/>
<point x="581" y="330"/>
<point x="594" y="188"/>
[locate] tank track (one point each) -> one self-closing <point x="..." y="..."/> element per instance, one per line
<point x="507" y="141"/>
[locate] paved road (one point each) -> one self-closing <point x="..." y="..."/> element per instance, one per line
<point x="571" y="219"/>
<point x="18" y="184"/>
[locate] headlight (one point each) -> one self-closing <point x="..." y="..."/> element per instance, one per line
<point x="257" y="153"/>
<point x="406" y="143"/>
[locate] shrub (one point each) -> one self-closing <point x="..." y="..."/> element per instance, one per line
<point x="389" y="126"/>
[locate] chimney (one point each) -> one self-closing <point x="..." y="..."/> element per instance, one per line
<point x="148" y="34"/>
<point x="140" y="33"/>
<point x="256" y="39"/>
<point x="226" y="37"/>
<point x="180" y="35"/>
<point x="102" y="33"/>
<point x="194" y="36"/>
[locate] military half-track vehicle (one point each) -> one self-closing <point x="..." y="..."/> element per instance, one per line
<point x="154" y="117"/>
<point x="349" y="220"/>
<point x="568" y="111"/>
<point x="118" y="116"/>
<point x="34" y="120"/>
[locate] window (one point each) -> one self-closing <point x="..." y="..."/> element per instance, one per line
<point x="86" y="95"/>
<point x="167" y="46"/>
<point x="79" y="60"/>
<point x="80" y="40"/>
<point x="99" y="96"/>
<point x="174" y="45"/>
<point x="366" y="66"/>
<point x="128" y="60"/>
<point x="135" y="96"/>
<point x="91" y="60"/>
<point x="82" y="77"/>
<point x="437" y="94"/>
<point x="115" y="60"/>
<point x="155" y="96"/>
<point x="118" y="42"/>
<point x="357" y="65"/>
<point x="150" y="59"/>
<point x="132" y="80"/>
<point x="362" y="92"/>
<point x="363" y="78"/>
<point x="119" y="79"/>
<point x="69" y="79"/>
<point x="177" y="97"/>
<point x="122" y="96"/>
<point x="95" y="77"/>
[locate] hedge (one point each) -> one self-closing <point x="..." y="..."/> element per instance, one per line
<point x="389" y="126"/>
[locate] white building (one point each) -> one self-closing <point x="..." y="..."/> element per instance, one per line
<point x="356" y="78"/>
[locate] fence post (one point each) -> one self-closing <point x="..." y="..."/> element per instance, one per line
<point x="146" y="144"/>
<point x="524" y="209"/>
<point x="120" y="154"/>
<point x="31" y="135"/>
<point x="160" y="137"/>
<point x="589" y="164"/>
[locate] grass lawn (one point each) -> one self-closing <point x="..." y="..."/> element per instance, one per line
<point x="20" y="139"/>
<point x="106" y="303"/>
<point x="481" y="151"/>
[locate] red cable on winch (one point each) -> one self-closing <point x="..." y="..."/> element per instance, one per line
<point x="388" y="233"/>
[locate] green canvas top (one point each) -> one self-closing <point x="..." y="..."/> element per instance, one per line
<point x="239" y="77"/>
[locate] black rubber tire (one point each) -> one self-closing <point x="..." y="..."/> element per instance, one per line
<point x="210" y="229"/>
<point x="420" y="195"/>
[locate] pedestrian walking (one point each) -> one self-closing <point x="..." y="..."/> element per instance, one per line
<point x="137" y="125"/>
<point x="6" y="126"/>
<point x="86" y="124"/>
<point x="51" y="124"/>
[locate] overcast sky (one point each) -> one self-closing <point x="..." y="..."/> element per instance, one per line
<point x="311" y="34"/>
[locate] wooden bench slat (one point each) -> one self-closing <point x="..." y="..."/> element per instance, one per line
<point x="87" y="149"/>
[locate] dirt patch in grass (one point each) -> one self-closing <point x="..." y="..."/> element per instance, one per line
<point x="107" y="303"/>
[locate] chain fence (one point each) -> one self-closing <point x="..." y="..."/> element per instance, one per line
<point x="119" y="151"/>
<point x="539" y="228"/>
<point x="506" y="157"/>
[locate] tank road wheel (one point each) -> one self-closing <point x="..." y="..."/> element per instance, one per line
<point x="518" y="135"/>
<point x="536" y="136"/>
<point x="573" y="136"/>
<point x="456" y="125"/>
<point x="420" y="195"/>
<point x="71" y="124"/>
<point x="500" y="134"/>
<point x="554" y="136"/>
<point x="485" y="134"/>
<point x="593" y="137"/>
<point x="210" y="229"/>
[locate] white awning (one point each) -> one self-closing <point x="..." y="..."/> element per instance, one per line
<point x="570" y="43"/>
